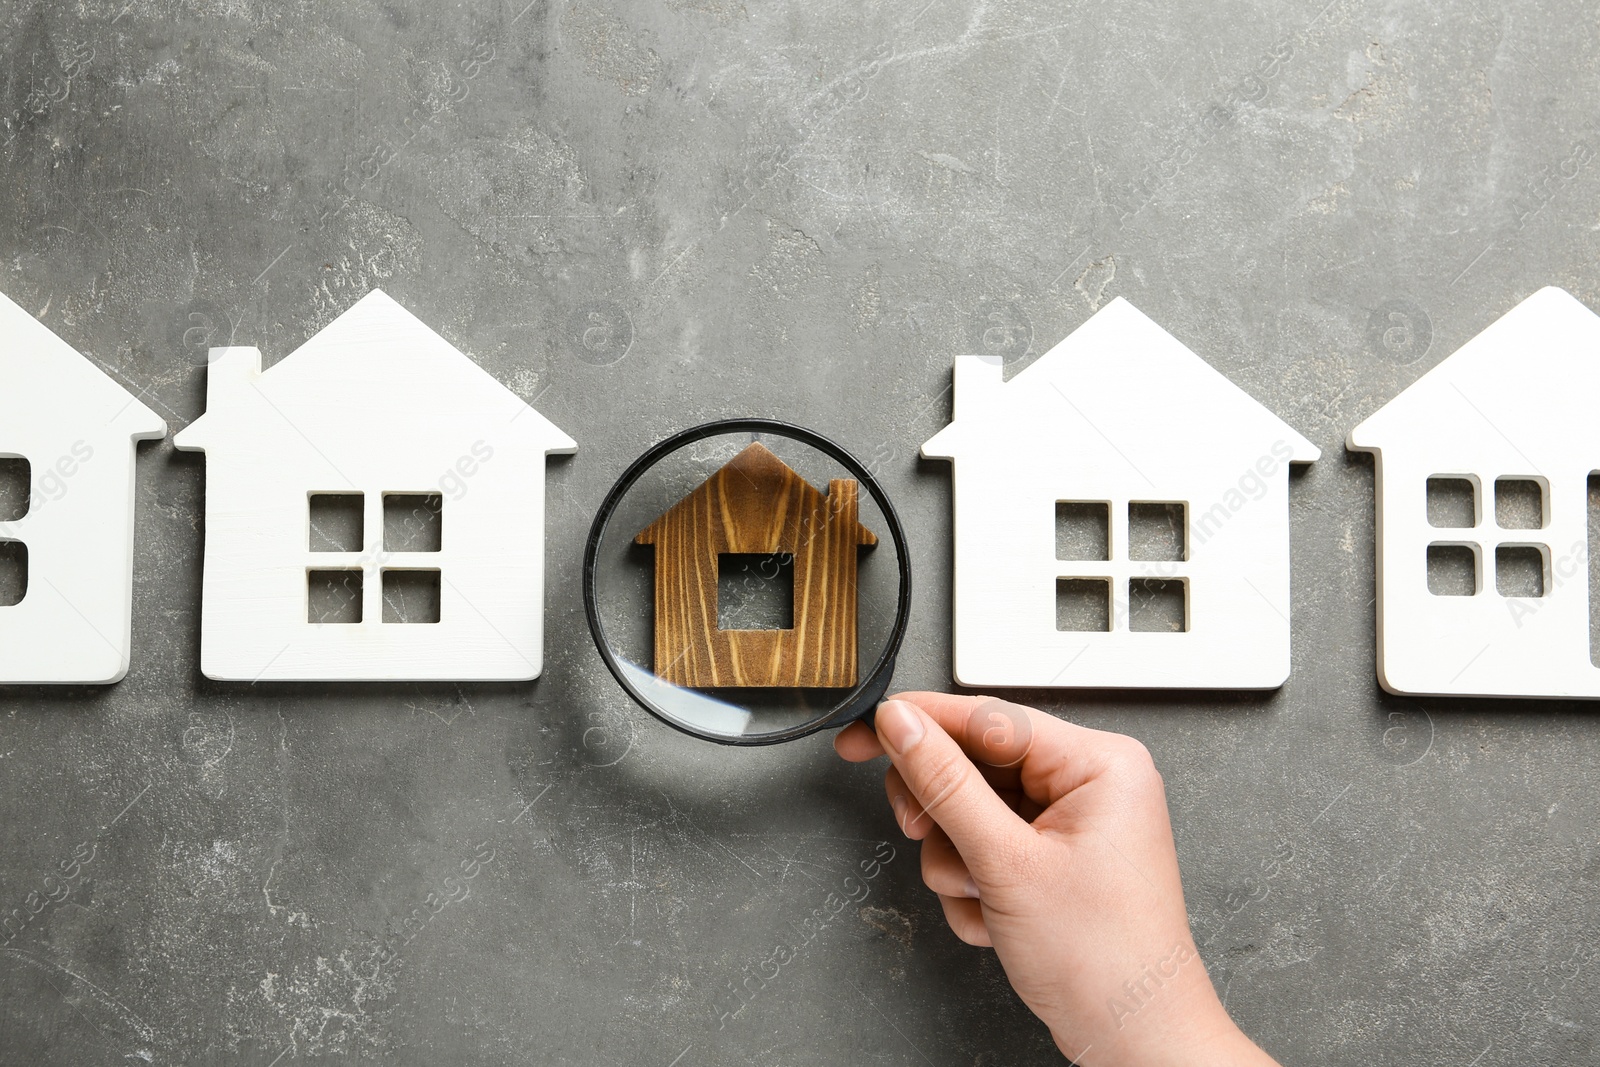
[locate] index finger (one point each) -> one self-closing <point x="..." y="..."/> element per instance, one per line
<point x="1045" y="756"/>
<point x="996" y="734"/>
<point x="993" y="739"/>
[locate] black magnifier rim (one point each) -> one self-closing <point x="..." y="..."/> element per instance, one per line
<point x="870" y="690"/>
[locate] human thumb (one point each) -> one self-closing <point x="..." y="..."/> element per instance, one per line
<point x="945" y="782"/>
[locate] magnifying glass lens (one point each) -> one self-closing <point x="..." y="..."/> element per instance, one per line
<point x="745" y="586"/>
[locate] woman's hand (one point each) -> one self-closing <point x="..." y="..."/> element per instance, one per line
<point x="1051" y="843"/>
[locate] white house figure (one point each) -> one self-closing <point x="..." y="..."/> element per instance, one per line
<point x="67" y="434"/>
<point x="1121" y="517"/>
<point x="1482" y="473"/>
<point x="374" y="510"/>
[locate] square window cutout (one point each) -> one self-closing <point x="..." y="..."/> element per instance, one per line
<point x="1083" y="604"/>
<point x="411" y="596"/>
<point x="1519" y="504"/>
<point x="755" y="591"/>
<point x="1158" y="605"/>
<point x="1083" y="530"/>
<point x="16" y="481"/>
<point x="13" y="573"/>
<point x="337" y="522"/>
<point x="334" y="596"/>
<point x="1158" y="531"/>
<point x="413" y="522"/>
<point x="1452" y="503"/>
<point x="1452" y="570"/>
<point x="1519" y="570"/>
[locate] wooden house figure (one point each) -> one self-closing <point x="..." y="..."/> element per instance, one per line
<point x="1482" y="473"/>
<point x="67" y="438"/>
<point x="756" y="505"/>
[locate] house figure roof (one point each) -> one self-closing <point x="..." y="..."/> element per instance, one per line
<point x="1123" y="375"/>
<point x="44" y="374"/>
<point x="1535" y="368"/>
<point x="373" y="344"/>
<point x="755" y="503"/>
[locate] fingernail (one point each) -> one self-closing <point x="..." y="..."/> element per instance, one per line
<point x="972" y="888"/>
<point x="899" y="724"/>
<point x="899" y="804"/>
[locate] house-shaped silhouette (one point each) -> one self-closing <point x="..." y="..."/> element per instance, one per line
<point x="373" y="480"/>
<point x="67" y="434"/>
<point x="1482" y="472"/>
<point x="756" y="505"/>
<point x="1121" y="517"/>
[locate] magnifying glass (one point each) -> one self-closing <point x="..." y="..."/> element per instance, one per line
<point x="741" y="586"/>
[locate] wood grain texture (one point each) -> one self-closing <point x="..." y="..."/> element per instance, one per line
<point x="757" y="504"/>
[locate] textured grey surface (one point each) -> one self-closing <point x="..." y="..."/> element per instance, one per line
<point x="646" y="215"/>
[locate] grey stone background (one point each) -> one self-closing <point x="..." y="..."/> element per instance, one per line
<point x="640" y="216"/>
